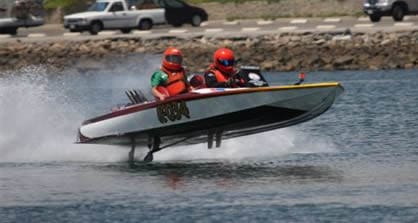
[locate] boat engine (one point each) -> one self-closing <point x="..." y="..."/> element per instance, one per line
<point x="250" y="76"/>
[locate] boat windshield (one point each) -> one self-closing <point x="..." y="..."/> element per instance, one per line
<point x="98" y="7"/>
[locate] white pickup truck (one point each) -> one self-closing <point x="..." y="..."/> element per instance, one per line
<point x="114" y="14"/>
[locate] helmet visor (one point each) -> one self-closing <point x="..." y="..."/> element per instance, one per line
<point x="227" y="63"/>
<point x="177" y="59"/>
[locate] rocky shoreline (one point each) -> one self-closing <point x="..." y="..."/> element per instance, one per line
<point x="278" y="52"/>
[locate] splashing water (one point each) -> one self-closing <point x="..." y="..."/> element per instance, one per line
<point x="260" y="146"/>
<point x="39" y="124"/>
<point x="41" y="113"/>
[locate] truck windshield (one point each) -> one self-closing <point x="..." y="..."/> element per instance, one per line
<point x="98" y="6"/>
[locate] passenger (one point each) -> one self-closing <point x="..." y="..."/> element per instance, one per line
<point x="221" y="72"/>
<point x="171" y="79"/>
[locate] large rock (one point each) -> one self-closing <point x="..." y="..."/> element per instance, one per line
<point x="344" y="60"/>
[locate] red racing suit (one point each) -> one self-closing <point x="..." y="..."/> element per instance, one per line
<point x="214" y="78"/>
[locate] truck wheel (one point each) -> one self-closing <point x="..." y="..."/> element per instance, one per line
<point x="145" y="24"/>
<point x="13" y="31"/>
<point x="125" y="31"/>
<point x="375" y="17"/>
<point x="95" y="28"/>
<point x="398" y="12"/>
<point x="9" y="30"/>
<point x="196" y="20"/>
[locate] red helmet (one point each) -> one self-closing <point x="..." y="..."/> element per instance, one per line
<point x="224" y="60"/>
<point x="172" y="59"/>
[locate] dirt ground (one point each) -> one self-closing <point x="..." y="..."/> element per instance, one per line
<point x="283" y="8"/>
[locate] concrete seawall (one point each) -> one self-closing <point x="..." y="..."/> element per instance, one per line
<point x="279" y="52"/>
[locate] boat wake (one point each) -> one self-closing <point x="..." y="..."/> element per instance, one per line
<point x="40" y="114"/>
<point x="263" y="146"/>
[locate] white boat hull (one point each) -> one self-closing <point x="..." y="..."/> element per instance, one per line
<point x="229" y="112"/>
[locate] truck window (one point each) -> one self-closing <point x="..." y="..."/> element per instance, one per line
<point x="116" y="7"/>
<point x="173" y="4"/>
<point x="160" y="3"/>
<point x="3" y="12"/>
<point x="98" y="7"/>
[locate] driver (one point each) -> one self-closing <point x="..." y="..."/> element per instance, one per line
<point x="221" y="72"/>
<point x="170" y="80"/>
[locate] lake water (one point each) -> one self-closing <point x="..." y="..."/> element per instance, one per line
<point x="358" y="162"/>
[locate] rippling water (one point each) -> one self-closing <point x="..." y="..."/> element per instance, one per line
<point x="356" y="163"/>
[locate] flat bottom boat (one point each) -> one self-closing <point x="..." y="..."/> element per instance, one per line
<point x="209" y="115"/>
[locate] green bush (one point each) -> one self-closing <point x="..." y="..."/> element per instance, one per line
<point x="51" y="4"/>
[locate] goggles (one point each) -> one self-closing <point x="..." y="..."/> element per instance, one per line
<point x="174" y="59"/>
<point x="227" y="63"/>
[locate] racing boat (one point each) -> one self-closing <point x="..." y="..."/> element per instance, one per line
<point x="208" y="115"/>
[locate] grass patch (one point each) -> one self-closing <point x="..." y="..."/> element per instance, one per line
<point x="51" y="4"/>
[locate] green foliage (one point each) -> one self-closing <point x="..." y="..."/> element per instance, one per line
<point x="50" y="4"/>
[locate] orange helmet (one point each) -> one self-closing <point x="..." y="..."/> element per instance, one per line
<point x="172" y="59"/>
<point x="224" y="60"/>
